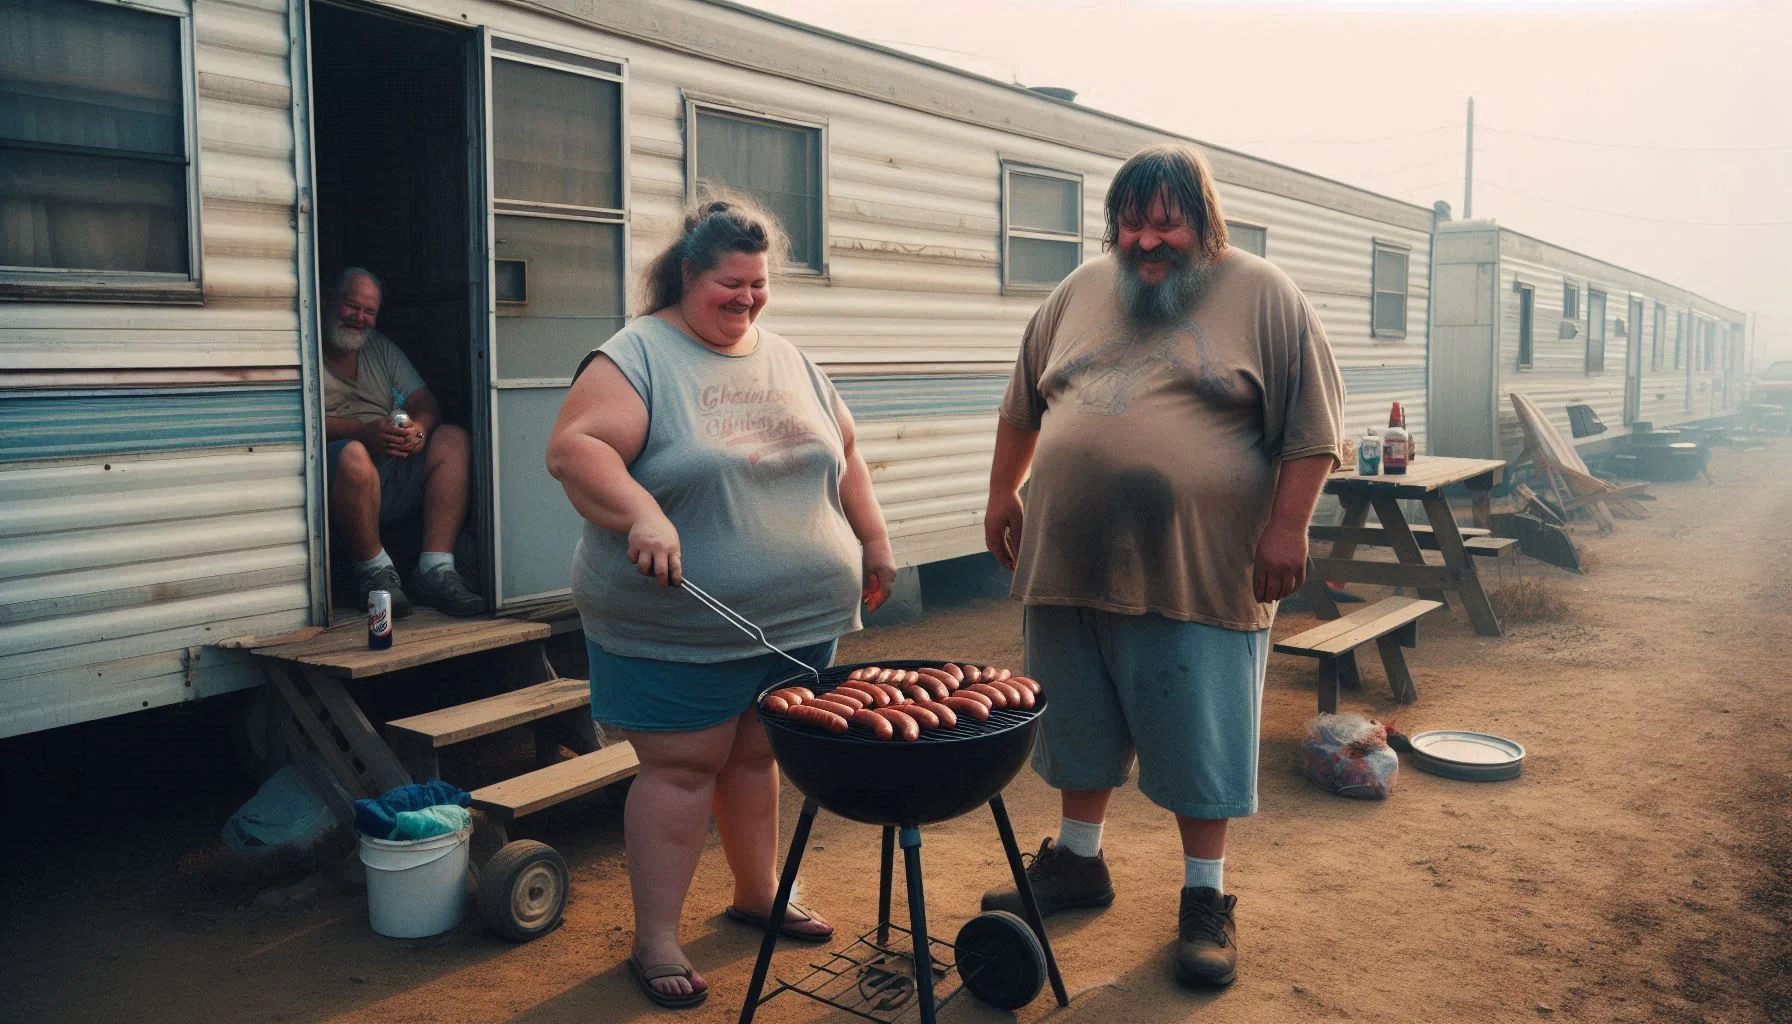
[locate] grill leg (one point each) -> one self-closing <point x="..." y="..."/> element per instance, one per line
<point x="781" y="903"/>
<point x="883" y="890"/>
<point x="917" y="922"/>
<point x="1027" y="902"/>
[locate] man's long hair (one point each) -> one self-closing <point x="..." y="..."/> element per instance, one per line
<point x="1181" y="174"/>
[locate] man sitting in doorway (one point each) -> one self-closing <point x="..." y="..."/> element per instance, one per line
<point x="380" y="472"/>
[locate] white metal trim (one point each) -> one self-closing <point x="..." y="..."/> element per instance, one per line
<point x="317" y="483"/>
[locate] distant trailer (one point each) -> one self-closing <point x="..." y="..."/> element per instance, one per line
<point x="1511" y="314"/>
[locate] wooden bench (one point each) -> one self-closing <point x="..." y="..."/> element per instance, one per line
<point x="1391" y="624"/>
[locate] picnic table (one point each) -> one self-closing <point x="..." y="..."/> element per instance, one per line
<point x="1424" y="481"/>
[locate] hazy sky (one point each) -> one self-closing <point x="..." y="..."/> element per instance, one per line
<point x="1657" y="136"/>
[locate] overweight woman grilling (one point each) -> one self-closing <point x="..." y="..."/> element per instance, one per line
<point x="693" y="441"/>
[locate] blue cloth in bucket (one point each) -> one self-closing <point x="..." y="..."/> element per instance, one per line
<point x="378" y="817"/>
<point x="430" y="822"/>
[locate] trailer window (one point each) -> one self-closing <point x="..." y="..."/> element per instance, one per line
<point x="778" y="163"/>
<point x="1249" y="237"/>
<point x="1042" y="227"/>
<point x="1570" y="302"/>
<point x="1388" y="315"/>
<point x="96" y="199"/>
<point x="1595" y="332"/>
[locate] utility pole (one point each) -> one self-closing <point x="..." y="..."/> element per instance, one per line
<point x="1468" y="174"/>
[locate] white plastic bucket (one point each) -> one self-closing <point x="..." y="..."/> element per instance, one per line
<point x="416" y="888"/>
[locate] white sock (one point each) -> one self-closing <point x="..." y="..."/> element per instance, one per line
<point x="377" y="562"/>
<point x="1082" y="838"/>
<point x="1209" y="874"/>
<point x="430" y="561"/>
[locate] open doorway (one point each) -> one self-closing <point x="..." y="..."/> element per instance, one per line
<point x="392" y="129"/>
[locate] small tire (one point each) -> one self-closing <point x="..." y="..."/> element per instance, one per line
<point x="522" y="890"/>
<point x="1000" y="959"/>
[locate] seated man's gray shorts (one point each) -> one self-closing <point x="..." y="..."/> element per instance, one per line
<point x="1184" y="697"/>
<point x="401" y="480"/>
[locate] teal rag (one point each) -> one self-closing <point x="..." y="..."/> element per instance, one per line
<point x="430" y="822"/>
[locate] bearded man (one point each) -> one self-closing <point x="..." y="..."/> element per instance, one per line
<point x="1178" y="407"/>
<point x="380" y="472"/>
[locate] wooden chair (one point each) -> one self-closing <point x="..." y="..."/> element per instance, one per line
<point x="1572" y="486"/>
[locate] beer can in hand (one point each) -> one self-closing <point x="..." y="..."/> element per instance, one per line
<point x="400" y="418"/>
<point x="379" y="620"/>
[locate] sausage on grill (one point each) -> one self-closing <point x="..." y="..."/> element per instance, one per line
<point x="922" y="714"/>
<point x="947" y="718"/>
<point x="879" y="725"/>
<point x="837" y="707"/>
<point x="997" y="698"/>
<point x="964" y="705"/>
<point x="810" y="715"/>
<point x="906" y="727"/>
<point x="775" y="704"/>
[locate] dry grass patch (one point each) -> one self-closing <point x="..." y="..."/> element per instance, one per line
<point x="1529" y="600"/>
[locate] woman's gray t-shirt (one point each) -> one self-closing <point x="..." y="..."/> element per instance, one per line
<point x="745" y="456"/>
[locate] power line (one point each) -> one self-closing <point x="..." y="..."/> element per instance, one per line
<point x="1632" y="216"/>
<point x="1336" y="142"/>
<point x="1633" y="146"/>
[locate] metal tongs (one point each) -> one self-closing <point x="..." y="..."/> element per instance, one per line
<point x="745" y="625"/>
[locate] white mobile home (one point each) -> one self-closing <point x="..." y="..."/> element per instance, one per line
<point x="195" y="167"/>
<point x="1515" y="314"/>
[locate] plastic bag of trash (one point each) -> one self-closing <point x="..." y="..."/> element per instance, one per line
<point x="284" y="814"/>
<point x="1348" y="755"/>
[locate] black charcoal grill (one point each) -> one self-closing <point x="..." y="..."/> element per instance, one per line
<point x="901" y="786"/>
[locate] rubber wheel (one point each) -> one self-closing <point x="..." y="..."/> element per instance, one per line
<point x="1000" y="960"/>
<point x="522" y="890"/>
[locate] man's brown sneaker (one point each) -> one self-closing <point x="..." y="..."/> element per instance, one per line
<point x="1061" y="880"/>
<point x="1207" y="953"/>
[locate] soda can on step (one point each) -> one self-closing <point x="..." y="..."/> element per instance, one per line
<point x="379" y="620"/>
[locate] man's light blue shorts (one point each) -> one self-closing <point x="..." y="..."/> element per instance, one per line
<point x="1185" y="697"/>
<point x="646" y="695"/>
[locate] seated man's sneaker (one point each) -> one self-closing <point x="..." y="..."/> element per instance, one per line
<point x="446" y="592"/>
<point x="1060" y="880"/>
<point x="1207" y="946"/>
<point x="384" y="578"/>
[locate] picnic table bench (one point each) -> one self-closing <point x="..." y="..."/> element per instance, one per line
<point x="1390" y="624"/>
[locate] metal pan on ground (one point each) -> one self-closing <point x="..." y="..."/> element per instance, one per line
<point x="1468" y="756"/>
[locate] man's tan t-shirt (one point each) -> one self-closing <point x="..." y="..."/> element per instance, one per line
<point x="1158" y="447"/>
<point x="384" y="378"/>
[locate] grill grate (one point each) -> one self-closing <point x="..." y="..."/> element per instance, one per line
<point x="1000" y="720"/>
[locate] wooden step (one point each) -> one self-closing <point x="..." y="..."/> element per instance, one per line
<point x="493" y="714"/>
<point x="545" y="787"/>
<point x="423" y="638"/>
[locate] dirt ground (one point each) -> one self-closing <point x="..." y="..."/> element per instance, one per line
<point x="1638" y="871"/>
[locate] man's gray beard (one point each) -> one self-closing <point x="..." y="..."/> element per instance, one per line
<point x="1168" y="301"/>
<point x="343" y="339"/>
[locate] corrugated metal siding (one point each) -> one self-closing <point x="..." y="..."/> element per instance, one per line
<point x="109" y="571"/>
<point x="924" y="395"/>
<point x="117" y="566"/>
<point x="129" y="421"/>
